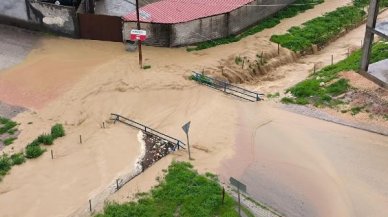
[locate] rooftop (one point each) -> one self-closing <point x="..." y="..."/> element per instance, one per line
<point x="179" y="11"/>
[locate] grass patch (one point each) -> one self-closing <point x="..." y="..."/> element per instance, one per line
<point x="320" y="30"/>
<point x="182" y="193"/>
<point x="5" y="164"/>
<point x="356" y="110"/>
<point x="275" y="95"/>
<point x="34" y="151"/>
<point x="57" y="131"/>
<point x="290" y="11"/>
<point x="9" y="141"/>
<point x="18" y="159"/>
<point x="46" y="139"/>
<point x="322" y="88"/>
<point x="201" y="79"/>
<point x="146" y="66"/>
<point x="6" y="125"/>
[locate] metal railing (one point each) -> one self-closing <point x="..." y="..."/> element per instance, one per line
<point x="132" y="123"/>
<point x="227" y="88"/>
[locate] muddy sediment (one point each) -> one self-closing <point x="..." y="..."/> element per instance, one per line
<point x="156" y="149"/>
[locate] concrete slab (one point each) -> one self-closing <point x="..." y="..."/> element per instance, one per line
<point x="380" y="70"/>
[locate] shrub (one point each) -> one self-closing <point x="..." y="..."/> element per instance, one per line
<point x="5" y="164"/>
<point x="34" y="151"/>
<point x="7" y="125"/>
<point x="146" y="66"/>
<point x="57" y="131"/>
<point x="46" y="139"/>
<point x="8" y="141"/>
<point x="18" y="159"/>
<point x="201" y="79"/>
<point x="320" y="30"/>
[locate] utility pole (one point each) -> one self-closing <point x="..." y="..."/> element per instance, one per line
<point x="139" y="41"/>
<point x="369" y="33"/>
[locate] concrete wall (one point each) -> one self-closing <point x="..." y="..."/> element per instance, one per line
<point x="208" y="28"/>
<point x="16" y="9"/>
<point x="33" y="14"/>
<point x="245" y="17"/>
<point x="57" y="18"/>
<point x="199" y="30"/>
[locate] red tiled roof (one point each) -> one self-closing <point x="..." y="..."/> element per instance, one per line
<point x="179" y="11"/>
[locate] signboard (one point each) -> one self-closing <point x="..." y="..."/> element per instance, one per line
<point x="138" y="35"/>
<point x="238" y="184"/>
<point x="186" y="127"/>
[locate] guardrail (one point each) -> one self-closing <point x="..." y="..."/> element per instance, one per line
<point x="227" y="88"/>
<point x="132" y="123"/>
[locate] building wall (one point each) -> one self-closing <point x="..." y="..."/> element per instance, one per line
<point x="208" y="28"/>
<point x="37" y="15"/>
<point x="245" y="17"/>
<point x="199" y="30"/>
<point x="60" y="19"/>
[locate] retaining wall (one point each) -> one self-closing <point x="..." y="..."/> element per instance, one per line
<point x="208" y="28"/>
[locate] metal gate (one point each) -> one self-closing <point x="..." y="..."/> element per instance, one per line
<point x="100" y="27"/>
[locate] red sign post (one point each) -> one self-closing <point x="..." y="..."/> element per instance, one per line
<point x="138" y="35"/>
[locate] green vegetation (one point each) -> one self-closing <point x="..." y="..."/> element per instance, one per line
<point x="291" y="11"/>
<point x="238" y="60"/>
<point x="57" y="131"/>
<point x="363" y="3"/>
<point x="275" y="95"/>
<point x="9" y="141"/>
<point x="46" y="139"/>
<point x="18" y="159"/>
<point x="320" y="30"/>
<point x="356" y="110"/>
<point x="146" y="66"/>
<point x="201" y="79"/>
<point x="321" y="88"/>
<point x="6" y="125"/>
<point x="7" y="162"/>
<point x="183" y="193"/>
<point x="32" y="150"/>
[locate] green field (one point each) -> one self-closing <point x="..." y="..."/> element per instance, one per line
<point x="321" y="88"/>
<point x="183" y="192"/>
<point x="321" y="30"/>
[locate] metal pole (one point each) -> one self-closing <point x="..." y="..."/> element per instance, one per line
<point x="332" y="59"/>
<point x="239" y="202"/>
<point x="370" y="23"/>
<point x="223" y="195"/>
<point x="139" y="41"/>
<point x="188" y="146"/>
